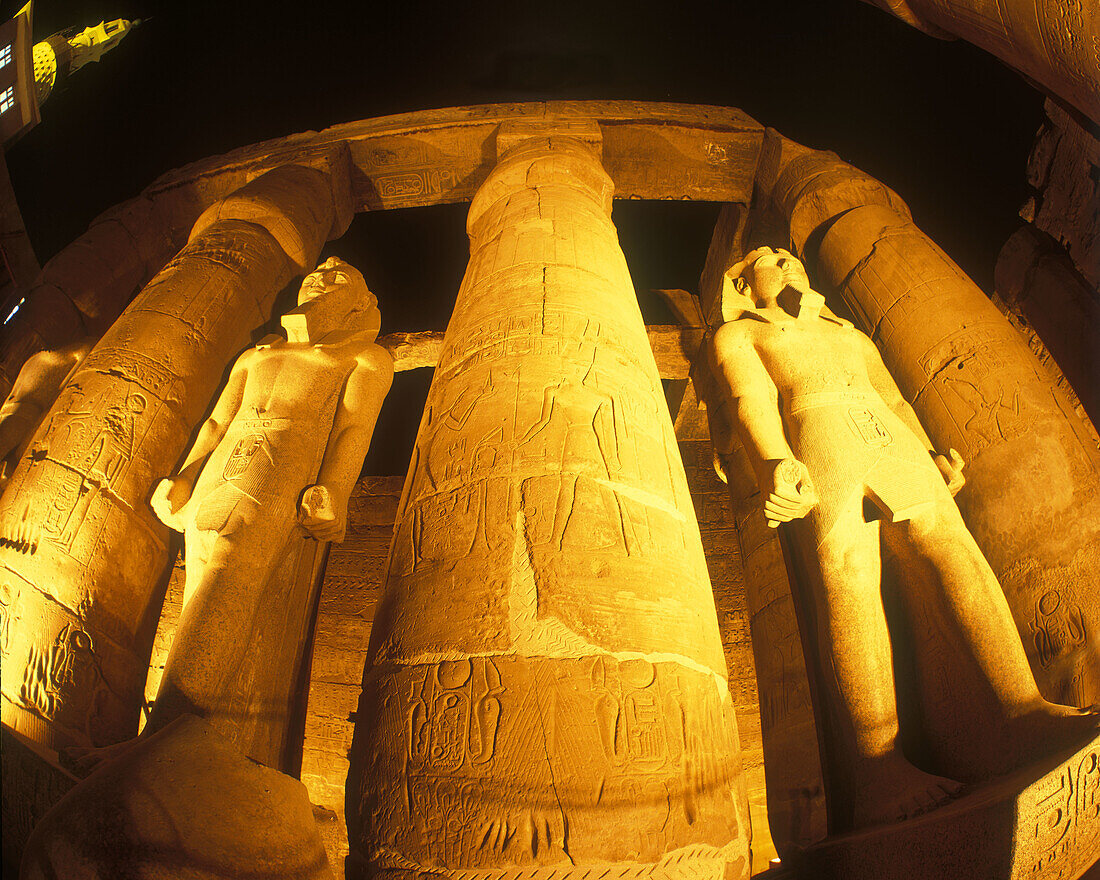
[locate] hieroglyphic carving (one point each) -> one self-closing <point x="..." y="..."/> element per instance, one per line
<point x="84" y="450"/>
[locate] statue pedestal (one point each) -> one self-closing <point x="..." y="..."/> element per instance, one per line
<point x="1041" y="822"/>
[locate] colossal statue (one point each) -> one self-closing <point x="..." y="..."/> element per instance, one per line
<point x="271" y="468"/>
<point x="35" y="389"/>
<point x="281" y="449"/>
<point x="835" y="447"/>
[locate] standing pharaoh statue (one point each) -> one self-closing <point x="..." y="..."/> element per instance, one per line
<point x="278" y="457"/>
<point x="270" y="473"/>
<point x="838" y="453"/>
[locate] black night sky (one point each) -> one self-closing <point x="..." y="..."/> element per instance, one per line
<point x="943" y="123"/>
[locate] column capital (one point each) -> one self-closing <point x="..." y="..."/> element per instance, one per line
<point x="298" y="205"/>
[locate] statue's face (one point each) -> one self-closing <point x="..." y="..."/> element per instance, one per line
<point x="768" y="272"/>
<point x="332" y="297"/>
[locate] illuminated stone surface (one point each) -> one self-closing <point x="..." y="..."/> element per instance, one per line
<point x="796" y="812"/>
<point x="1032" y="499"/>
<point x="1042" y="823"/>
<point x="268" y="477"/>
<point x="546" y="692"/>
<point x="838" y="453"/>
<point x="182" y="803"/>
<point x="83" y="553"/>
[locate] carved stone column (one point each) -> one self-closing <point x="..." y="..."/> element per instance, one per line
<point x="546" y="692"/>
<point x="85" y="286"/>
<point x="83" y="560"/>
<point x="1054" y="42"/>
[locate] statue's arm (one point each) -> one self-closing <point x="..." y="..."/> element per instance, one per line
<point x="172" y="493"/>
<point x="950" y="465"/>
<point x="323" y="509"/>
<point x="751" y="402"/>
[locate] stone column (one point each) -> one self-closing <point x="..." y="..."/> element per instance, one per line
<point x="1054" y="42"/>
<point x="1032" y="497"/>
<point x="85" y="286"/>
<point x="83" y="560"/>
<point x="546" y="693"/>
<point x="1037" y="281"/>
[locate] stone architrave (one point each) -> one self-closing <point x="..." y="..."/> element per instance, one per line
<point x="840" y="455"/>
<point x="34" y="392"/>
<point x="546" y="692"/>
<point x="84" y="561"/>
<point x="1032" y="499"/>
<point x="268" y="477"/>
<point x="1054" y="42"/>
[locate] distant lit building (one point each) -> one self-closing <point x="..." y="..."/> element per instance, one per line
<point x="29" y="72"/>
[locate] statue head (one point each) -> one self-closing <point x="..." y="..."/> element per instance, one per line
<point x="332" y="297"/>
<point x="769" y="277"/>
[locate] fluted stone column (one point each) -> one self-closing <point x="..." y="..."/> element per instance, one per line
<point x="546" y="691"/>
<point x="83" y="560"/>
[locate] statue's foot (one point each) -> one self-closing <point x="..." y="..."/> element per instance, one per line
<point x="895" y="790"/>
<point x="83" y="761"/>
<point x="1049" y="729"/>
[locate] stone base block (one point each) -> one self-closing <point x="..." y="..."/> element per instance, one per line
<point x="33" y="782"/>
<point x="1040" y="823"/>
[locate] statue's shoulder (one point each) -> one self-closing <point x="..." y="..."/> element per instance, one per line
<point x="269" y="341"/>
<point x="741" y="330"/>
<point x="374" y="357"/>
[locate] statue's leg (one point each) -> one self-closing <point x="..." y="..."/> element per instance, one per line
<point x="869" y="780"/>
<point x="960" y="592"/>
<point x="212" y="637"/>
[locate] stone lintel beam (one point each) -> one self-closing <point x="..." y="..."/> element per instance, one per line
<point x="650" y="150"/>
<point x="674" y="348"/>
<point x="1051" y="42"/>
